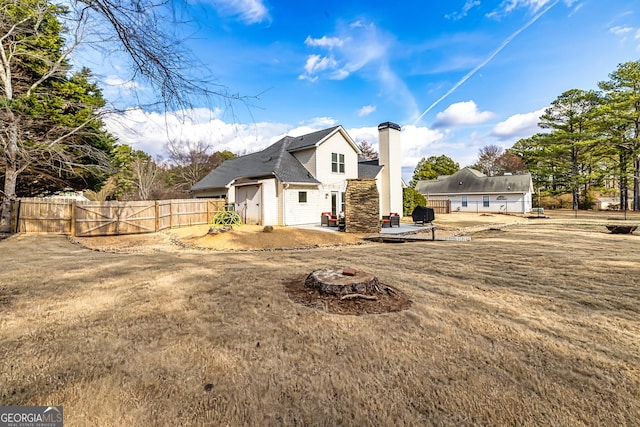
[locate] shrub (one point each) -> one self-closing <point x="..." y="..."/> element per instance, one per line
<point x="410" y="199"/>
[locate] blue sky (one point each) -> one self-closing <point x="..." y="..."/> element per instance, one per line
<point x="456" y="75"/>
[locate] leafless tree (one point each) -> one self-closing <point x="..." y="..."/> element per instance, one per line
<point x="145" y="177"/>
<point x="190" y="160"/>
<point x="487" y="159"/>
<point x="367" y="150"/>
<point x="28" y="141"/>
<point x="143" y="30"/>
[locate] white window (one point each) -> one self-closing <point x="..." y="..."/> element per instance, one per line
<point x="485" y="201"/>
<point x="464" y="201"/>
<point x="337" y="163"/>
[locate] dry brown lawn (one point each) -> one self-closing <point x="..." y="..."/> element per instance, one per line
<point x="537" y="323"/>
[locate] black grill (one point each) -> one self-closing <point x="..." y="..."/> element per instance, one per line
<point x="422" y="215"/>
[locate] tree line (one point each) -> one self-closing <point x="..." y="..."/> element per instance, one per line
<point x="591" y="144"/>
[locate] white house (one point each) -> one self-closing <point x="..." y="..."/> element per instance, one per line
<point x="469" y="190"/>
<point x="297" y="178"/>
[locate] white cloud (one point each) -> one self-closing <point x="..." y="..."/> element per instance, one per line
<point x="113" y="80"/>
<point x="359" y="47"/>
<point x="419" y="142"/>
<point x="461" y="113"/>
<point x="366" y="110"/>
<point x="324" y="41"/>
<point x="151" y="132"/>
<point x="533" y="6"/>
<point x="316" y="64"/>
<point x="622" y="31"/>
<point x="518" y="126"/>
<point x="317" y="123"/>
<point x="469" y="4"/>
<point x="249" y="11"/>
<point x="416" y="142"/>
<point x="625" y="32"/>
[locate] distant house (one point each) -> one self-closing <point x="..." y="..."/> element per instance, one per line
<point x="297" y="178"/>
<point x="472" y="191"/>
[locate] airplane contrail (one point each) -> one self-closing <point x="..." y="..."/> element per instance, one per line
<point x="486" y="61"/>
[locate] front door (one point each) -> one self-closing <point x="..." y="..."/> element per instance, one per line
<point x="334" y="203"/>
<point x="248" y="200"/>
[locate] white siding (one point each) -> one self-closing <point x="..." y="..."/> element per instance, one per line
<point x="308" y="159"/>
<point x="269" y="202"/>
<point x="296" y="213"/>
<point x="503" y="203"/>
<point x="336" y="144"/>
<point x="390" y="156"/>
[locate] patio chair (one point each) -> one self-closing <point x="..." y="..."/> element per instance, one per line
<point x="329" y="220"/>
<point x="395" y="219"/>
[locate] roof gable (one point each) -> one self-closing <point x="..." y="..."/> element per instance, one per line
<point x="275" y="160"/>
<point x="314" y="139"/>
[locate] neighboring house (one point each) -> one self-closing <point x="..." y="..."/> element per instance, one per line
<point x="69" y="195"/>
<point x="297" y="178"/>
<point x="612" y="204"/>
<point x="472" y="191"/>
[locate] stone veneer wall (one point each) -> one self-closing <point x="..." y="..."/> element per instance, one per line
<point x="362" y="206"/>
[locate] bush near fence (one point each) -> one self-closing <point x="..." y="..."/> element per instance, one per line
<point x="85" y="218"/>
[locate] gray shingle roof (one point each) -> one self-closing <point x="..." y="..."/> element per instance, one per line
<point x="471" y="181"/>
<point x="309" y="140"/>
<point x="275" y="160"/>
<point x="369" y="169"/>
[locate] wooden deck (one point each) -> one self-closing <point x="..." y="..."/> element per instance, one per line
<point x="400" y="238"/>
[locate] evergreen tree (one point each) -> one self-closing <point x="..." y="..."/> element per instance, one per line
<point x="50" y="133"/>
<point x="432" y="167"/>
<point x="622" y="95"/>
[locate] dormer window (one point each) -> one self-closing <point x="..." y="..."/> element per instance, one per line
<point x="337" y="163"/>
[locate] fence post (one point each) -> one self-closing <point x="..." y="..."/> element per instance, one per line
<point x="15" y="215"/>
<point x="73" y="219"/>
<point x="157" y="213"/>
<point x="171" y="214"/>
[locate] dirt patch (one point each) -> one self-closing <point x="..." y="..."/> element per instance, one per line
<point x="239" y="238"/>
<point x="254" y="238"/>
<point x="312" y="298"/>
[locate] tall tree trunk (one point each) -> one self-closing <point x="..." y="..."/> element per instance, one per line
<point x="574" y="178"/>
<point x="624" y="182"/>
<point x="636" y="183"/>
<point x="636" y="167"/>
<point x="10" y="173"/>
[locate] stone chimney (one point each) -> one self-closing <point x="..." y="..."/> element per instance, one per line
<point x="390" y="157"/>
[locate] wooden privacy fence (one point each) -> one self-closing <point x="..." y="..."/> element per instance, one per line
<point x="82" y="219"/>
<point x="440" y="206"/>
